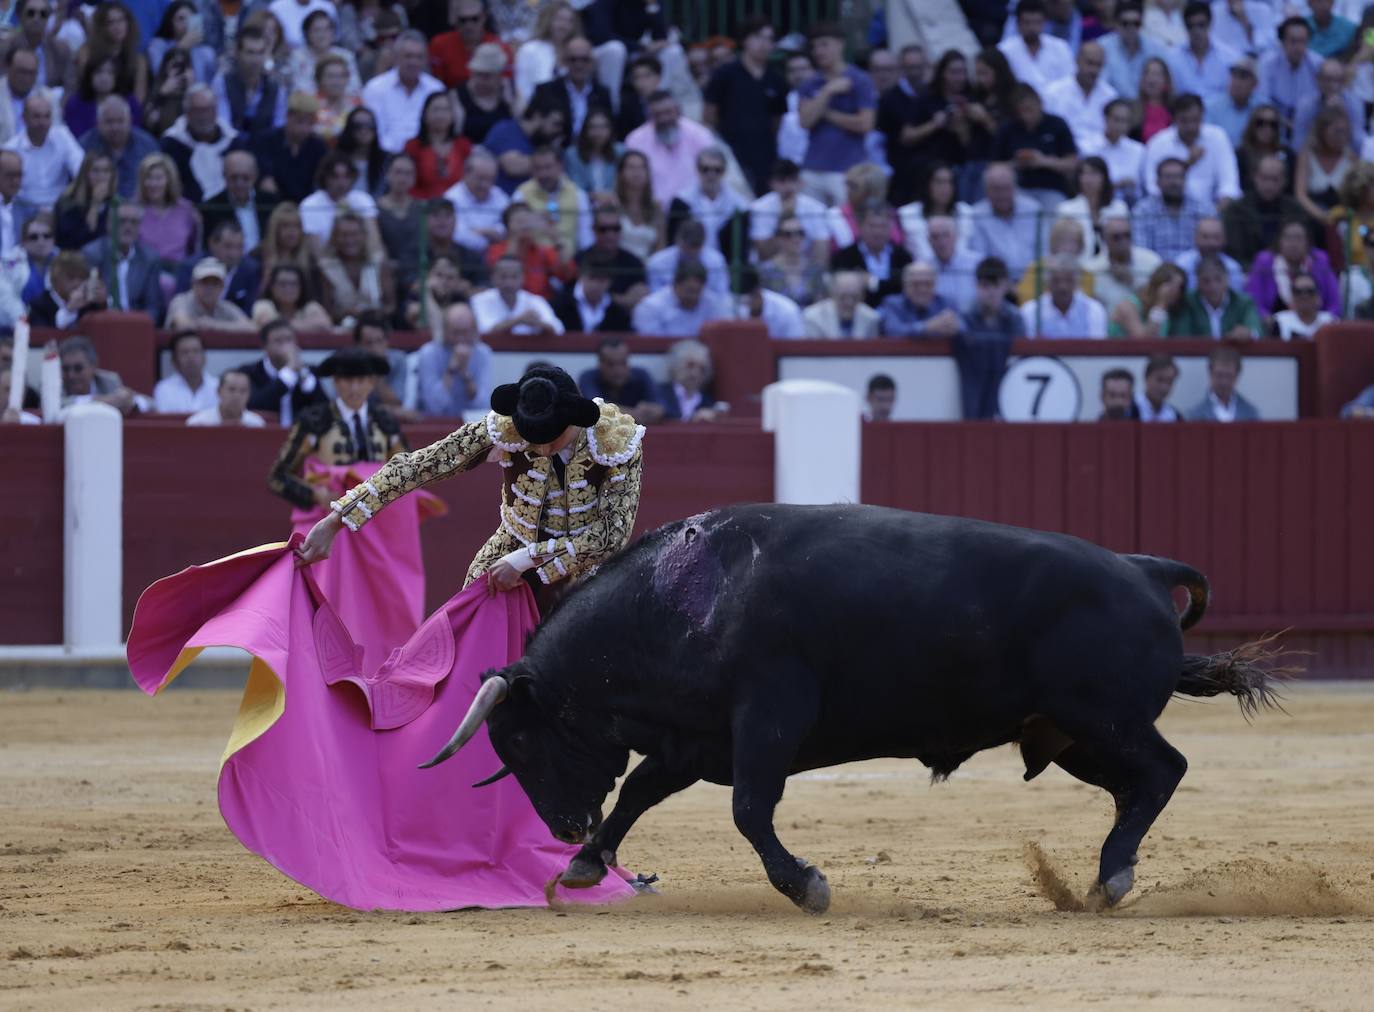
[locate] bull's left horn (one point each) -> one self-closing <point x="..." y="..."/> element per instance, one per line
<point x="493" y="690"/>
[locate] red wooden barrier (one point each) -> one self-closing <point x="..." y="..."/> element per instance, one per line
<point x="31" y="534"/>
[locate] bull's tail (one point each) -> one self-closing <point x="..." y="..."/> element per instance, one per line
<point x="1249" y="672"/>
<point x="1175" y="574"/>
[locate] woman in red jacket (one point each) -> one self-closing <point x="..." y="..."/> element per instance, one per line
<point x="439" y="149"/>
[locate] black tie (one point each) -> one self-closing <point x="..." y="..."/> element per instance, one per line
<point x="560" y="469"/>
<point x="360" y="438"/>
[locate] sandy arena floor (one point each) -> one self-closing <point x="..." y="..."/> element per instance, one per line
<point x="120" y="888"/>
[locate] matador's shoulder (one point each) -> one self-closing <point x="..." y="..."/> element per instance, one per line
<point x="615" y="438"/>
<point x="317" y="419"/>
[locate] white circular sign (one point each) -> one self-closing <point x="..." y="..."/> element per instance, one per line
<point x="1039" y="389"/>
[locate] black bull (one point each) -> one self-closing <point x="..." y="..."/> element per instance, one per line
<point x="750" y="643"/>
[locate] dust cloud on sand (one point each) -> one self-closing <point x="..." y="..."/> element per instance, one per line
<point x="120" y="888"/>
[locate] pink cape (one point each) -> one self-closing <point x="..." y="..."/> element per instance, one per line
<point x="326" y="789"/>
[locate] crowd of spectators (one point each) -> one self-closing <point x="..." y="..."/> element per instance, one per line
<point x="476" y="169"/>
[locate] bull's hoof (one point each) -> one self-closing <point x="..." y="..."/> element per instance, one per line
<point x="816" y="898"/>
<point x="582" y="873"/>
<point x="1114" y="890"/>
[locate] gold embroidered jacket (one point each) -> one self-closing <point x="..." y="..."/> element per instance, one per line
<point x="575" y="527"/>
<point x="320" y="432"/>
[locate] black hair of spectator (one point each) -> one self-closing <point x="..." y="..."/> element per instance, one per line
<point x="348" y="144"/>
<point x="312" y="17"/>
<point x="689" y="270"/>
<point x="1197" y="8"/>
<point x="1210" y="264"/>
<point x="1118" y="374"/>
<point x="1185" y="102"/>
<point x="272" y="326"/>
<point x="183" y="335"/>
<point x="752" y="26"/>
<point x="1292" y="22"/>
<point x="164" y="27"/>
<point x="598" y="264"/>
<point x="232" y="372"/>
<point x="825" y="30"/>
<point x="1123" y="102"/>
<point x="439" y="205"/>
<point x="785" y="169"/>
<point x="1130" y="5"/>
<point x="374" y="318"/>
<point x="223" y="227"/>
<point x="1003" y="80"/>
<point x="1096" y="162"/>
<point x="691" y="233"/>
<point x="508" y="258"/>
<point x="85" y="83"/>
<point x="647" y="60"/>
<point x="584" y="147"/>
<point x="386" y="20"/>
<point x="1030" y="7"/>
<point x="512" y="209"/>
<point x="1170" y="161"/>
<point x="609" y="343"/>
<point x="881" y="381"/>
<point x="545" y="150"/>
<point x="937" y="79"/>
<point x="662" y="95"/>
<point x="439" y="96"/>
<point x="1022" y="92"/>
<point x="71" y="264"/>
<point x="249" y="33"/>
<point x="1158" y="363"/>
<point x="329" y="163"/>
<point x="542" y="106"/>
<point x="79" y="344"/>
<point x="1227" y="353"/>
<point x="992" y="270"/>
<point x="749" y="281"/>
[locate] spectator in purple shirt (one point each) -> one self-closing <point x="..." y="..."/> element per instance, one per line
<point x="838" y="106"/>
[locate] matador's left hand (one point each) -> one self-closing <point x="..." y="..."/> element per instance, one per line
<point x="502" y="576"/>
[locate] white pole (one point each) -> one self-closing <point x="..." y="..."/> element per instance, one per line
<point x="94" y="527"/>
<point x="50" y="384"/>
<point x="19" y="372"/>
<point x="818" y="429"/>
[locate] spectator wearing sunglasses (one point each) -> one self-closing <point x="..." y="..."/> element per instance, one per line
<point x="1305" y="315"/>
<point x="1126" y="51"/>
<point x="628" y="279"/>
<point x="54" y="57"/>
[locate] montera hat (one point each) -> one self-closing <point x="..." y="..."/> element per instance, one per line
<point x="353" y="362"/>
<point x="544" y="403"/>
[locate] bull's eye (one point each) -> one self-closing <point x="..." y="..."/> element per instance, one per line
<point x="519" y="741"/>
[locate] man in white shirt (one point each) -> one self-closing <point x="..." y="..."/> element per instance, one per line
<point x="50" y="153"/>
<point x="1202" y="67"/>
<point x="661" y="268"/>
<point x="1081" y="99"/>
<point x="683" y="308"/>
<point x="1124" y="156"/>
<point x="397" y="97"/>
<point x="1213" y="177"/>
<point x="709" y="200"/>
<point x="335" y="178"/>
<point x="506" y="308"/>
<point x="1036" y="59"/>
<point x="291" y="15"/>
<point x="1063" y="310"/>
<point x="478" y="203"/>
<point x="786" y="197"/>
<point x="190" y="388"/>
<point x="232" y="405"/>
<point x="1152" y="402"/>
<point x="777" y="312"/>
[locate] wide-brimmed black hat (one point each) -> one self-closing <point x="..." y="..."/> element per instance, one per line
<point x="543" y="404"/>
<point x="353" y="362"/>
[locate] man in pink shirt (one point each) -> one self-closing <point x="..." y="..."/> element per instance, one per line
<point x="671" y="144"/>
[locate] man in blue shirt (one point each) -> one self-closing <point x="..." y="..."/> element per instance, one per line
<point x="917" y="311"/>
<point x="1231" y="109"/>
<point x="838" y="106"/>
<point x="1126" y="50"/>
<point x="1290" y="74"/>
<point x="1201" y="67"/>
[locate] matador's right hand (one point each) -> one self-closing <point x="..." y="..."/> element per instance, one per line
<point x="318" y="542"/>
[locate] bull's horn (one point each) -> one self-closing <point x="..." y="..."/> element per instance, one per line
<point x="493" y="690"/>
<point x="503" y="772"/>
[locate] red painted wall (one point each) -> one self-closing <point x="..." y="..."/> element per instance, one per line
<point x="31" y="534"/>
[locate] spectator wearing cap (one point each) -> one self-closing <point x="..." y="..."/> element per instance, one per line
<point x="197" y="143"/>
<point x="589" y="307"/>
<point x="189" y="388"/>
<point x="129" y="268"/>
<point x="670" y="143"/>
<point x="781" y="315"/>
<point x="542" y="266"/>
<point x="1042" y="148"/>
<point x="250" y="99"/>
<point x="564" y="204"/>
<point x="575" y="91"/>
<point x="1204" y="151"/>
<point x="690" y="245"/>
<point x="1037" y="59"/>
<point x="243" y="273"/>
<point x="480" y="204"/>
<point x="452" y="54"/>
<point x="1080" y="100"/>
<point x="84" y="382"/>
<point x="687" y="396"/>
<point x="844" y="314"/>
<point x="746" y="95"/>
<point x="786" y="199"/>
<point x="335" y="191"/>
<point x="50" y="153"/>
<point x="918" y="310"/>
<point x="241" y="201"/>
<point x="1331" y="91"/>
<point x="1127" y="49"/>
<point x="231" y="403"/>
<point x="1063" y="310"/>
<point x="874" y="253"/>
<point x="344" y="430"/>
<point x="482" y="95"/>
<point x="1006" y="222"/>
<point x="615" y="381"/>
<point x="1223" y="403"/>
<point x="116" y="136"/>
<point x="509" y="308"/>
<point x="983" y="344"/>
<point x="1290" y="72"/>
<point x="398" y="96"/>
<point x="1166" y="220"/>
<point x="1201" y="66"/>
<point x="204" y="305"/>
<point x="281" y="381"/>
<point x="684" y="307"/>
<point x="1123" y="154"/>
<point x="629" y="281"/>
<point x="453" y="373"/>
<point x="288" y="157"/>
<point x="838" y="107"/>
<point x="1214" y="310"/>
<point x="1230" y="110"/>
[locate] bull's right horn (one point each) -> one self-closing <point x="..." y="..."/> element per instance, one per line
<point x="493" y="690"/>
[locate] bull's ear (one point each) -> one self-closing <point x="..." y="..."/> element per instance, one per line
<point x="522" y="690"/>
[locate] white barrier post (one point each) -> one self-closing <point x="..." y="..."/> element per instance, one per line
<point x="817" y="430"/>
<point x="93" y="531"/>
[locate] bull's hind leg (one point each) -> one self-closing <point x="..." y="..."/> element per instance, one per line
<point x="1140" y="770"/>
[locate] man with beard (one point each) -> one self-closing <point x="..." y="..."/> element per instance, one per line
<point x="670" y="143"/>
<point x="513" y="141"/>
<point x="1118" y="396"/>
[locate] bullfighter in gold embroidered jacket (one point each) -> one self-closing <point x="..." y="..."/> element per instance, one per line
<point x="570" y="488"/>
<point x="343" y="431"/>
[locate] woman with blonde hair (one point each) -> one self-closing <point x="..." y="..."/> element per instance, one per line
<point x="540" y="58"/>
<point x="1323" y="163"/>
<point x="1156" y="311"/>
<point x="864" y="184"/>
<point x="1353" y="217"/>
<point x="641" y="219"/>
<point x="171" y="225"/>
<point x="356" y="277"/>
<point x="284" y="242"/>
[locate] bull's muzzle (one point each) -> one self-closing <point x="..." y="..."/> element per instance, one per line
<point x="493" y="690"/>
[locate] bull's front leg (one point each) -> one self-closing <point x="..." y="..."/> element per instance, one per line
<point x="765" y="745"/>
<point x="648" y="784"/>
